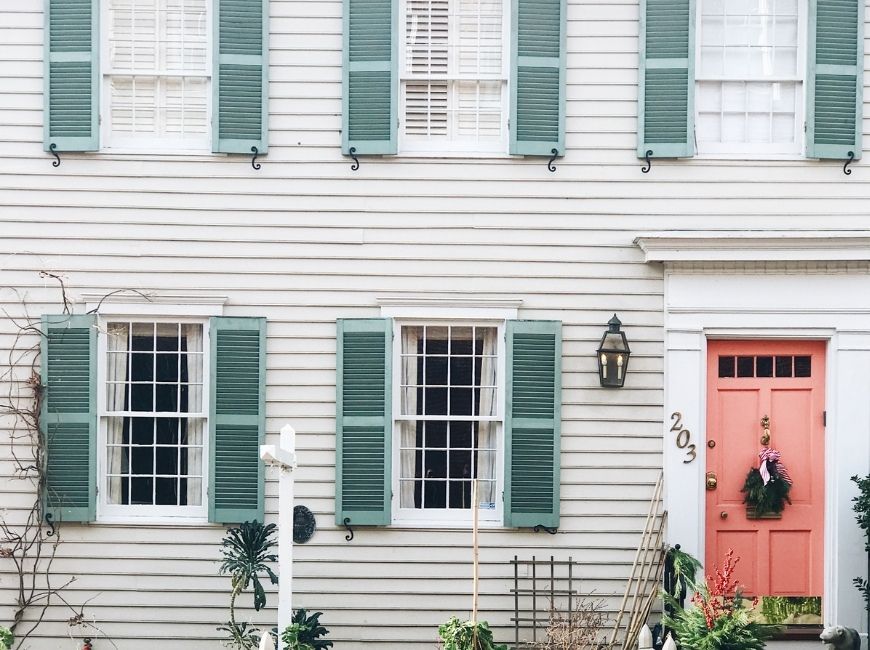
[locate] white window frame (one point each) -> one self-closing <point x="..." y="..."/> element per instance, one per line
<point x="437" y="517"/>
<point x="119" y="513"/>
<point x="757" y="150"/>
<point x="467" y="147"/>
<point x="145" y="144"/>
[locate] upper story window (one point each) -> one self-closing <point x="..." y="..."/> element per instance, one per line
<point x="154" y="421"/>
<point x="157" y="74"/>
<point x="453" y="93"/>
<point x="750" y="76"/>
<point x="448" y="421"/>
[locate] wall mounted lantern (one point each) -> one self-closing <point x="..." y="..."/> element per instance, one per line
<point x="613" y="354"/>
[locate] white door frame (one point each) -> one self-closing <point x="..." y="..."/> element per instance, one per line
<point x="769" y="299"/>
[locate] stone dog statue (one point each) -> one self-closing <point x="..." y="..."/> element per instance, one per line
<point x="840" y="638"/>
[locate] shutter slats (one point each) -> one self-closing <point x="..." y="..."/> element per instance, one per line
<point x="537" y="122"/>
<point x="369" y="73"/>
<point x="363" y="448"/>
<point x="71" y="76"/>
<point x="533" y="423"/>
<point x="835" y="79"/>
<point x="666" y="79"/>
<point x="69" y="416"/>
<point x="241" y="77"/>
<point x="237" y="419"/>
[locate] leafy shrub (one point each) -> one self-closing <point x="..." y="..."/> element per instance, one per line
<point x="304" y="632"/>
<point x="6" y="638"/>
<point x="718" y="620"/>
<point x="460" y="635"/>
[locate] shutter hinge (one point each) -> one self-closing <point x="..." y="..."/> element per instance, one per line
<point x="824" y="418"/>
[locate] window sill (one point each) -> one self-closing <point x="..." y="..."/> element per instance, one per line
<point x="159" y="153"/>
<point x="160" y="522"/>
<point x="446" y="525"/>
<point x="453" y="155"/>
<point x="751" y="157"/>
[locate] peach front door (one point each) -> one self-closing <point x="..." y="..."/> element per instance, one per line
<point x="785" y="381"/>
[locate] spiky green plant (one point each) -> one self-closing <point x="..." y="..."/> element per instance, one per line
<point x="304" y="632"/>
<point x="246" y="552"/>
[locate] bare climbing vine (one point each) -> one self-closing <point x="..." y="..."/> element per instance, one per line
<point x="31" y="543"/>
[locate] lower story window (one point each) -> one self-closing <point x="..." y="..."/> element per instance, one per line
<point x="448" y="421"/>
<point x="154" y="419"/>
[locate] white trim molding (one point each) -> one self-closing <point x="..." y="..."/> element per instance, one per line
<point x="449" y="308"/>
<point x="147" y="303"/>
<point x="755" y="246"/>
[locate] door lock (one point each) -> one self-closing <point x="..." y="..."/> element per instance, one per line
<point x="712" y="481"/>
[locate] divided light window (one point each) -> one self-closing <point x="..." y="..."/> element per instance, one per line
<point x="449" y="422"/>
<point x="750" y="76"/>
<point x="153" y="419"/>
<point x="454" y="76"/>
<point x="156" y="74"/>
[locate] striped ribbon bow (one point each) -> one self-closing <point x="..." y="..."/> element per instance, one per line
<point x="770" y="459"/>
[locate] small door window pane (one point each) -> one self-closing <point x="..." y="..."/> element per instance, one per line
<point x="727" y="366"/>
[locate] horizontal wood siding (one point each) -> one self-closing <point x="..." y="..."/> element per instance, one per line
<point x="305" y="241"/>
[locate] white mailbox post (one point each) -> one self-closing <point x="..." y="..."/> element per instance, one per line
<point x="284" y="457"/>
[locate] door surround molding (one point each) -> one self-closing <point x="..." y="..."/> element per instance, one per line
<point x="772" y="303"/>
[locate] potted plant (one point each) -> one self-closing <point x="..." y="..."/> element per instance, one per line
<point x="467" y="635"/>
<point x="717" y="619"/>
<point x="304" y="632"/>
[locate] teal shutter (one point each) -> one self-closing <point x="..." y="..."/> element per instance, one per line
<point x="240" y="77"/>
<point x="363" y="415"/>
<point x="533" y="423"/>
<point x="835" y="79"/>
<point x="537" y="83"/>
<point x="370" y="81"/>
<point x="666" y="83"/>
<point x="237" y="419"/>
<point x="72" y="76"/>
<point x="69" y="416"/>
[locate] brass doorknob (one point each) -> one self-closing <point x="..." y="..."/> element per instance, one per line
<point x="723" y="515"/>
<point x="712" y="481"/>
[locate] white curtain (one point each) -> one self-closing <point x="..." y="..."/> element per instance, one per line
<point x="116" y="371"/>
<point x="193" y="336"/>
<point x="408" y="460"/>
<point x="487" y="438"/>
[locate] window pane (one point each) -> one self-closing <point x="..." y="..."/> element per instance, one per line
<point x="192" y="496"/>
<point x="435" y="464"/>
<point x="167" y="460"/>
<point x="167" y="431"/>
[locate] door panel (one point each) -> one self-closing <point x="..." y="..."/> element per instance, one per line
<point x="784" y="380"/>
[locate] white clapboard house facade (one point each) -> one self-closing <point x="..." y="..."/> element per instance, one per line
<point x="402" y="226"/>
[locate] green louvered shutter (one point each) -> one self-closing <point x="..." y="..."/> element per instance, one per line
<point x="240" y="83"/>
<point x="69" y="416"/>
<point x="237" y="419"/>
<point x="533" y="423"/>
<point x="666" y="88"/>
<point x="537" y="111"/>
<point x="71" y="111"/>
<point x="835" y="79"/>
<point x="363" y="421"/>
<point x="369" y="82"/>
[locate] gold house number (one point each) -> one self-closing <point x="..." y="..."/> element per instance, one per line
<point x="684" y="437"/>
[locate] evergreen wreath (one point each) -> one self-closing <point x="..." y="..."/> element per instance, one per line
<point x="765" y="499"/>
